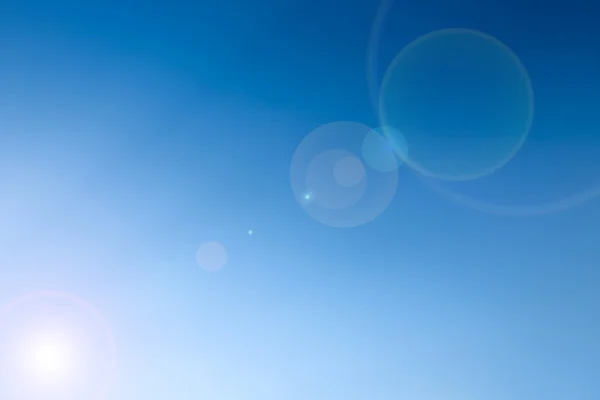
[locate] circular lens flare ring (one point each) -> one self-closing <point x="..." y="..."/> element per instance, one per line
<point x="522" y="210"/>
<point x="499" y="143"/>
<point x="373" y="52"/>
<point x="51" y="356"/>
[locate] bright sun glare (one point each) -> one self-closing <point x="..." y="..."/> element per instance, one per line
<point x="57" y="347"/>
<point x="48" y="360"/>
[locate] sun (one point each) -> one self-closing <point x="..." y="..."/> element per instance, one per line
<point x="55" y="345"/>
<point x="48" y="359"/>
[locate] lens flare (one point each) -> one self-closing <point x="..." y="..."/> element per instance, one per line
<point x="55" y="344"/>
<point x="331" y="181"/>
<point x="463" y="101"/>
<point x="49" y="359"/>
<point x="212" y="256"/>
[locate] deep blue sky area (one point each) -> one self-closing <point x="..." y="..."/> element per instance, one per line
<point x="133" y="132"/>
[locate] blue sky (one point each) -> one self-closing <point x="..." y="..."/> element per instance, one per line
<point x="131" y="133"/>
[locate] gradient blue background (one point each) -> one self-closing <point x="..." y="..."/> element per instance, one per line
<point x="131" y="132"/>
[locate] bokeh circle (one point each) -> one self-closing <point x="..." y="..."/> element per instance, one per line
<point x="211" y="256"/>
<point x="37" y="309"/>
<point x="461" y="99"/>
<point x="349" y="171"/>
<point x="382" y="152"/>
<point x="332" y="183"/>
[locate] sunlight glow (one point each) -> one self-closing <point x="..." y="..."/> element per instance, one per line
<point x="55" y="344"/>
<point x="49" y="359"/>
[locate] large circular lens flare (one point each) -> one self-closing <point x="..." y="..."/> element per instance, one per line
<point x="462" y="100"/>
<point x="566" y="123"/>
